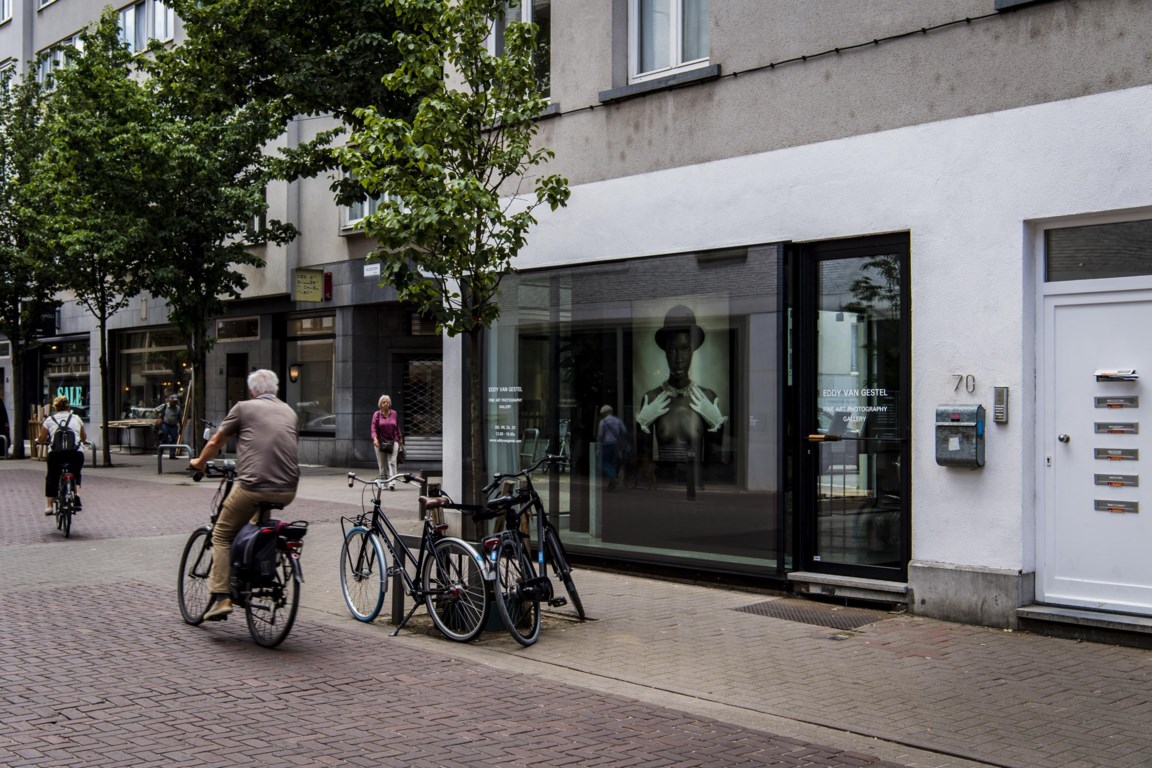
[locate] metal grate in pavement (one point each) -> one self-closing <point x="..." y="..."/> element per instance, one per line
<point x="811" y="612"/>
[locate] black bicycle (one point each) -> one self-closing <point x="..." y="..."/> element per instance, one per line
<point x="520" y="582"/>
<point x="270" y="597"/>
<point x="449" y="572"/>
<point x="67" y="502"/>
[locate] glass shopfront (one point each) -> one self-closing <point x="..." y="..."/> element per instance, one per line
<point x="310" y="389"/>
<point x="66" y="372"/>
<point x="152" y="365"/>
<point x="685" y="350"/>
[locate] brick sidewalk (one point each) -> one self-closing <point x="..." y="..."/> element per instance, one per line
<point x="913" y="691"/>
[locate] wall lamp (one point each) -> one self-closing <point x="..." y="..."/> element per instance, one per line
<point x="294" y="372"/>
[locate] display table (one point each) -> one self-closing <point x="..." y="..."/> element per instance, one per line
<point x="137" y="430"/>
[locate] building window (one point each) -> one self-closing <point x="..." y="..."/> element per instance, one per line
<point x="667" y="36"/>
<point x="538" y="12"/>
<point x="56" y="57"/>
<point x="1098" y="251"/>
<point x="5" y="10"/>
<point x="311" y="359"/>
<point x="151" y="368"/>
<point x="360" y="210"/>
<point x="163" y="22"/>
<point x="238" y="329"/>
<point x="693" y="374"/>
<point x="5" y="349"/>
<point x="144" y="21"/>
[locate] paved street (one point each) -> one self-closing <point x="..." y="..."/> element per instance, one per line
<point x="98" y="668"/>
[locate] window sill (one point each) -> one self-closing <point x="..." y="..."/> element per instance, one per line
<point x="678" y="80"/>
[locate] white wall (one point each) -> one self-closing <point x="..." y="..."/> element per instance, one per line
<point x="965" y="190"/>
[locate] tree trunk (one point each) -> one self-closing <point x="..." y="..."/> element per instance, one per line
<point x="105" y="392"/>
<point x="19" y="419"/>
<point x="479" y="474"/>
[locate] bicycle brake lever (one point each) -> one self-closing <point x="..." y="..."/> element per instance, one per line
<point x="351" y="478"/>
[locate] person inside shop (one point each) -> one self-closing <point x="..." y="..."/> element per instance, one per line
<point x="387" y="439"/>
<point x="683" y="416"/>
<point x="267" y="470"/>
<point x="168" y="420"/>
<point x="63" y="451"/>
<point x="612" y="437"/>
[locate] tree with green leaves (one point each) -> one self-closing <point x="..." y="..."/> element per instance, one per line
<point x="97" y="165"/>
<point x="454" y="212"/>
<point x="28" y="283"/>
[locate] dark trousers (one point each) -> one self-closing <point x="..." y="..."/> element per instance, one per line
<point x="57" y="460"/>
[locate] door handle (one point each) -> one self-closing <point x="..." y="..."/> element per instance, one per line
<point x="1064" y="438"/>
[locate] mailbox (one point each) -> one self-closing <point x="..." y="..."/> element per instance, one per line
<point x="960" y="436"/>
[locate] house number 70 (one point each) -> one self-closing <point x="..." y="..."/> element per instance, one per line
<point x="969" y="382"/>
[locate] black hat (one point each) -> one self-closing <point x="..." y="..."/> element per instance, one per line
<point x="680" y="319"/>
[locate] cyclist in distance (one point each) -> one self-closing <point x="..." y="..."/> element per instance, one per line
<point x="267" y="470"/>
<point x="60" y="457"/>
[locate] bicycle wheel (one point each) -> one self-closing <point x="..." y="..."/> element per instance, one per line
<point x="271" y="608"/>
<point x="517" y="603"/>
<point x="454" y="591"/>
<point x="192" y="587"/>
<point x="363" y="574"/>
<point x="555" y="553"/>
<point x="66" y="516"/>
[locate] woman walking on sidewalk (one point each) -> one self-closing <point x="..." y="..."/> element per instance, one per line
<point x="387" y="439"/>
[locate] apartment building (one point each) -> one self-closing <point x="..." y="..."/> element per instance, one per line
<point x="865" y="281"/>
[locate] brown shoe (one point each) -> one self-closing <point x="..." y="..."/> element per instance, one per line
<point x="219" y="610"/>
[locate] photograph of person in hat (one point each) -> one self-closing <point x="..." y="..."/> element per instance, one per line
<point x="682" y="415"/>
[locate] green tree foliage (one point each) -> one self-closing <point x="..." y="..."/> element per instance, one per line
<point x="94" y="173"/>
<point x="455" y="213"/>
<point x="27" y="281"/>
<point x="292" y="57"/>
<point x="208" y="216"/>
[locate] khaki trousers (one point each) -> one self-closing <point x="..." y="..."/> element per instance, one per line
<point x="240" y="508"/>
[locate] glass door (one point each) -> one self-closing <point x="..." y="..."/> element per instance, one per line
<point x="854" y="408"/>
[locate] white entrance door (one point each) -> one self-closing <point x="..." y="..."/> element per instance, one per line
<point x="1096" y="522"/>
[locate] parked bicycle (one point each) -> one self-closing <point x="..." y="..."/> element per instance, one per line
<point x="67" y="500"/>
<point x="449" y="573"/>
<point x="270" y="596"/>
<point x="520" y="580"/>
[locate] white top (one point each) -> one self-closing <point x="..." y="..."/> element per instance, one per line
<point x="60" y="420"/>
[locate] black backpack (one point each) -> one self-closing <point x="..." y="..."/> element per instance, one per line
<point x="254" y="549"/>
<point x="64" y="439"/>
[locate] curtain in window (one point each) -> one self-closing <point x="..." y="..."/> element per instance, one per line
<point x="655" y="28"/>
<point x="694" y="43"/>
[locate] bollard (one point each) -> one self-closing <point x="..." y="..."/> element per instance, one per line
<point x="160" y="454"/>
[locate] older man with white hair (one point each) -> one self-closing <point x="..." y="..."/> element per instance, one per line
<point x="267" y="470"/>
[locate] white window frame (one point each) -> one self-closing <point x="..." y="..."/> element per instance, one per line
<point x="55" y="58"/>
<point x="5" y="11"/>
<point x="525" y="11"/>
<point x="43" y="3"/>
<point x="134" y="27"/>
<point x="675" y="45"/>
<point x="163" y="21"/>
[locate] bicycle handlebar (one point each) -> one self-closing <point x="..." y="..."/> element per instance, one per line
<point x="550" y="459"/>
<point x="404" y="477"/>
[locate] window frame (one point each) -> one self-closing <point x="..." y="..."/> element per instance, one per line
<point x="675" y="45"/>
<point x="499" y="26"/>
<point x="6" y="10"/>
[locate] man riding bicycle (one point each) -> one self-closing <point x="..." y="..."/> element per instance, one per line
<point x="63" y="451"/>
<point x="267" y="470"/>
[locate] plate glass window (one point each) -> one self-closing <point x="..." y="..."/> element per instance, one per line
<point x="312" y="349"/>
<point x="1098" y="251"/>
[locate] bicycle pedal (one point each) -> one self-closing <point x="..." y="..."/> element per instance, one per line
<point x="558" y="602"/>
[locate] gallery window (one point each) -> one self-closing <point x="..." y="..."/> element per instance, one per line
<point x="666" y="36"/>
<point x="691" y="473"/>
<point x="309" y="385"/>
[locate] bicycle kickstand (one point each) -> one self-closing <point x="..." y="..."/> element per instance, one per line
<point x="400" y="626"/>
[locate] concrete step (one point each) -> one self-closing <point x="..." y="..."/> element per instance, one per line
<point x="1083" y="624"/>
<point x="849" y="587"/>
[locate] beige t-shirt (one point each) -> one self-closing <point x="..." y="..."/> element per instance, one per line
<point x="267" y="458"/>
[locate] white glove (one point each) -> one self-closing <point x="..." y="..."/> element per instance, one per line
<point x="650" y="411"/>
<point x="708" y="410"/>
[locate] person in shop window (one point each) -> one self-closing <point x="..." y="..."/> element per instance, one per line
<point x="682" y="416"/>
